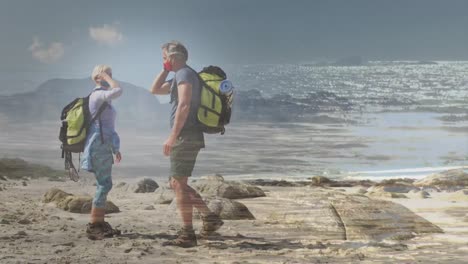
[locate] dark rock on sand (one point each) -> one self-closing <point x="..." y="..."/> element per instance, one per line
<point x="146" y="186"/>
<point x="149" y="207"/>
<point x="229" y="209"/>
<point x="218" y="187"/>
<point x="24" y="222"/>
<point x="320" y="180"/>
<point x="75" y="204"/>
<point x="278" y="183"/>
<point x="3" y="178"/>
<point x="326" y="182"/>
<point x="451" y="180"/>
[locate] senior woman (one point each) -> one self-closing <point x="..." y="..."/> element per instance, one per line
<point x="101" y="143"/>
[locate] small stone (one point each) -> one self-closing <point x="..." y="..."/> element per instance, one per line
<point x="4" y="222"/>
<point x="21" y="233"/>
<point x="149" y="207"/>
<point x="3" y="178"/>
<point x="362" y="191"/>
<point x="319" y="180"/>
<point x="128" y="250"/>
<point x="424" y="194"/>
<point x="25" y="183"/>
<point x="24" y="222"/>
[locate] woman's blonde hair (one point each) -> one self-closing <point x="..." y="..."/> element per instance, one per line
<point x="98" y="69"/>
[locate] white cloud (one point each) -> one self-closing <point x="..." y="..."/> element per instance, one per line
<point x="49" y="54"/>
<point x="106" y="34"/>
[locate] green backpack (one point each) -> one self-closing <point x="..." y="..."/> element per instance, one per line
<point x="76" y="120"/>
<point x="215" y="110"/>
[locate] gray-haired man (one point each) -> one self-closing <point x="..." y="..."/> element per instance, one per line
<point x="185" y="140"/>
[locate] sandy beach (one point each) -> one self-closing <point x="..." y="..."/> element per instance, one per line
<point x="32" y="231"/>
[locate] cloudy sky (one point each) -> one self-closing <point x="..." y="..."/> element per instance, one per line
<point x="61" y="38"/>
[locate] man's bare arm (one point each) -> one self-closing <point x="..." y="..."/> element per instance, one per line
<point x="160" y="86"/>
<point x="183" y="108"/>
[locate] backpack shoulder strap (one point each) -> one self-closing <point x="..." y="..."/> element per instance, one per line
<point x="101" y="109"/>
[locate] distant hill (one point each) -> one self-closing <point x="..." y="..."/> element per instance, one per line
<point x="137" y="105"/>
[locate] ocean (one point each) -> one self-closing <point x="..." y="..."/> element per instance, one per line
<point x="408" y="119"/>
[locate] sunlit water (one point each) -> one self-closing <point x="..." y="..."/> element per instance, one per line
<point x="384" y="145"/>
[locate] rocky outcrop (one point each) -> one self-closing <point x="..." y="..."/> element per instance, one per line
<point x="448" y="180"/>
<point x="218" y="187"/>
<point x="75" y="204"/>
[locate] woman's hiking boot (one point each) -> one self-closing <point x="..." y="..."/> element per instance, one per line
<point x="100" y="230"/>
<point x="94" y="231"/>
<point x="109" y="231"/>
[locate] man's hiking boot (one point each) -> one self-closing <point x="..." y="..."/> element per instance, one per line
<point x="211" y="223"/>
<point x="98" y="231"/>
<point x="186" y="239"/>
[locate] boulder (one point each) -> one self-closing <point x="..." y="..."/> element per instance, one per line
<point x="55" y="195"/>
<point x="320" y="180"/>
<point x="144" y="186"/>
<point x="448" y="180"/>
<point x="395" y="186"/>
<point x="164" y="195"/>
<point x="218" y="187"/>
<point x="227" y="209"/>
<point x="75" y="204"/>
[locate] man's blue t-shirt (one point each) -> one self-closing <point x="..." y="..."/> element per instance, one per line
<point x="187" y="75"/>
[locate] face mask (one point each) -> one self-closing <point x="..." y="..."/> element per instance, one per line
<point x="104" y="84"/>
<point x="167" y="66"/>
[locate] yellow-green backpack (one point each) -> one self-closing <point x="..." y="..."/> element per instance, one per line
<point x="76" y="120"/>
<point x="215" y="110"/>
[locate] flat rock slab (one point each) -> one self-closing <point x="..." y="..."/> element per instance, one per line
<point x="75" y="204"/>
<point x="332" y="215"/>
